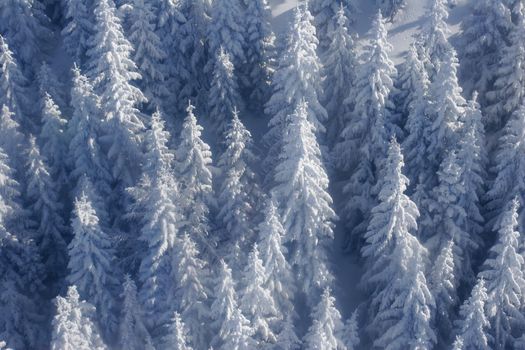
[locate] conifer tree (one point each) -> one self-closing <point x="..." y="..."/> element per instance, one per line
<point x="133" y="334"/>
<point x="192" y="294"/>
<point x="366" y="135"/>
<point x="113" y="71"/>
<point x="86" y="157"/>
<point x="412" y="87"/>
<point x="473" y="324"/>
<point x="78" y="30"/>
<point x="256" y="299"/>
<point x="260" y="50"/>
<point x="505" y="280"/>
<point x="11" y="139"/>
<point x="91" y="258"/>
<point x="298" y="77"/>
<point x="155" y="203"/>
<point x="177" y="338"/>
<point x="31" y="33"/>
<point x="239" y="191"/>
<point x="325" y="11"/>
<point x="42" y="192"/>
<point x="443" y="285"/>
<point x="13" y="84"/>
<point x="49" y="83"/>
<point x="233" y="328"/>
<point x="339" y="66"/>
<point x="508" y="92"/>
<point x="73" y="325"/>
<point x="509" y="164"/>
<point x="20" y="267"/>
<point x="301" y="191"/>
<point x="350" y="334"/>
<point x="287" y="338"/>
<point x="175" y="33"/>
<point x="434" y="38"/>
<point x="279" y="280"/>
<point x="485" y="32"/>
<point x="149" y="53"/>
<point x="193" y="169"/>
<point x="327" y="325"/>
<point x="224" y="95"/>
<point x="226" y="30"/>
<point x="52" y="139"/>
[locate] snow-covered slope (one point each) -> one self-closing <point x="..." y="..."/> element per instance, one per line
<point x="401" y="31"/>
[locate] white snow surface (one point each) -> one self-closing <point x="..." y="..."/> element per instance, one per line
<point x="401" y="31"/>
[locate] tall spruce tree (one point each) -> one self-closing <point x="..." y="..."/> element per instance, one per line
<point x="505" y="280"/>
<point x="113" y="71"/>
<point x="306" y="205"/>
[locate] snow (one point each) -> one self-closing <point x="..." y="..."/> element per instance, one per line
<point x="401" y="32"/>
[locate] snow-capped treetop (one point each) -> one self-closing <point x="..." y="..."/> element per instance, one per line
<point x="325" y="331"/>
<point x="325" y="10"/>
<point x="113" y="72"/>
<point x="505" y="279"/>
<point x="73" y="325"/>
<point x="177" y="338"/>
<point x="473" y="324"/>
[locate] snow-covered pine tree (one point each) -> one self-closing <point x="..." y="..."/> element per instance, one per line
<point x="443" y="285"/>
<point x="192" y="294"/>
<point x="149" y="54"/>
<point x="13" y="85"/>
<point x="49" y="83"/>
<point x="25" y="25"/>
<point x="409" y="304"/>
<point x="503" y="273"/>
<point x="46" y="208"/>
<point x="339" y="68"/>
<point x="434" y="38"/>
<point x="224" y="95"/>
<point x="73" y="324"/>
<point x="350" y="333"/>
<point x="509" y="165"/>
<point x="367" y="132"/>
<point x="413" y="103"/>
<point x="298" y="77"/>
<point x="91" y="263"/>
<point x="22" y="273"/>
<point x="391" y="8"/>
<point x="173" y="30"/>
<point x="485" y="33"/>
<point x="193" y="171"/>
<point x="260" y="50"/>
<point x="11" y="139"/>
<point x="325" y="331"/>
<point x="226" y="29"/>
<point x="473" y="324"/>
<point x="508" y="91"/>
<point x="156" y="200"/>
<point x="401" y="302"/>
<point x="302" y="194"/>
<point x="79" y="28"/>
<point x="133" y="334"/>
<point x="287" y="338"/>
<point x="256" y="300"/>
<point x="279" y="281"/>
<point x="233" y="328"/>
<point x="177" y="337"/>
<point x="325" y="11"/>
<point x="239" y="192"/>
<point x="52" y="140"/>
<point x="85" y="157"/>
<point x="113" y="71"/>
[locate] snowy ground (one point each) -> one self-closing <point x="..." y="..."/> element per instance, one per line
<point x="401" y="32"/>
